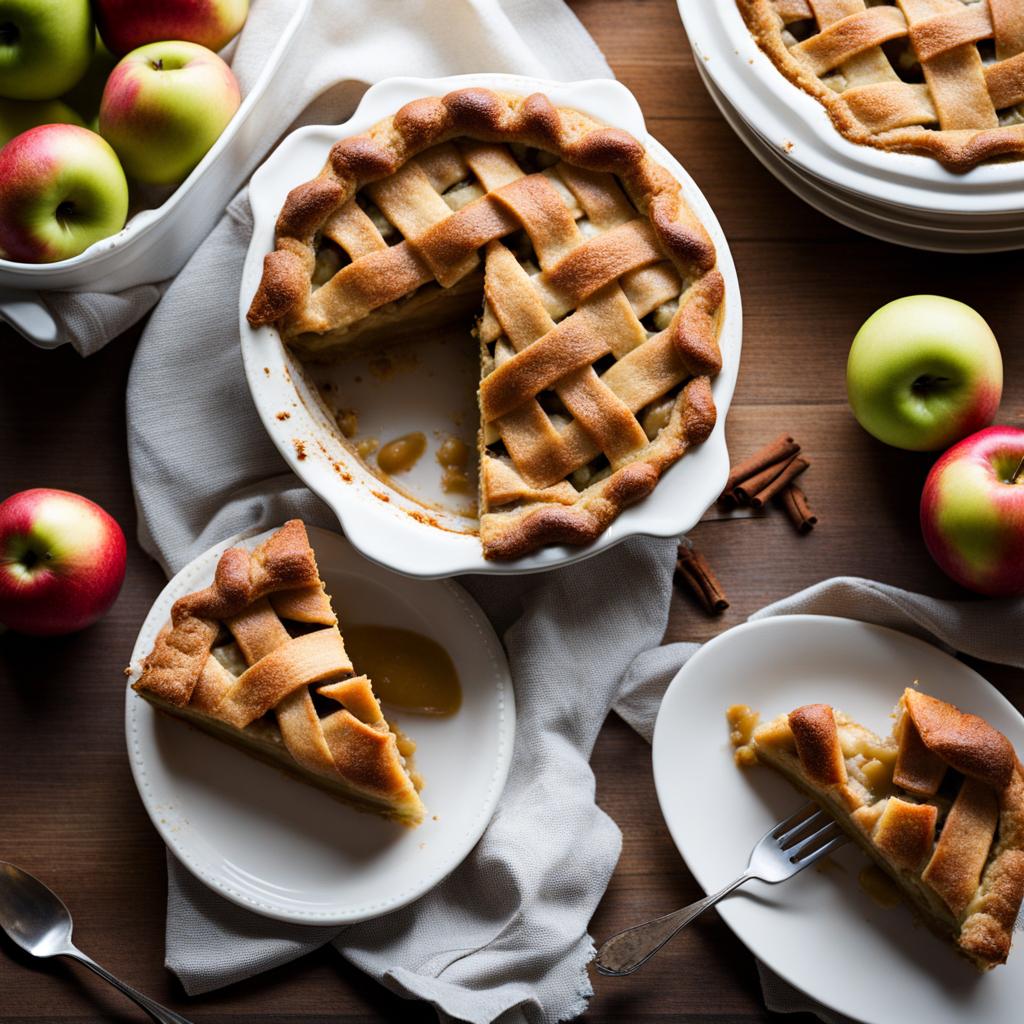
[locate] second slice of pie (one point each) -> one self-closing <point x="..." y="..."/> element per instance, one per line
<point x="939" y="806"/>
<point x="257" y="660"/>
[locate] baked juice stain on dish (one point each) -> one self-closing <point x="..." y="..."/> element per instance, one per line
<point x="402" y="454"/>
<point x="409" y="671"/>
<point x="453" y="457"/>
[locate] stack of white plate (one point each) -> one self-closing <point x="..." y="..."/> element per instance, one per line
<point x="902" y="198"/>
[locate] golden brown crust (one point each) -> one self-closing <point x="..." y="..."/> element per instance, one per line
<point x="351" y="751"/>
<point x="476" y="114"/>
<point x="965" y="742"/>
<point x="972" y="867"/>
<point x="890" y="115"/>
<point x="508" y="535"/>
<point x="817" y="744"/>
<point x="660" y="237"/>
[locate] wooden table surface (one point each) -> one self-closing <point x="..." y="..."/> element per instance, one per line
<point x="68" y="807"/>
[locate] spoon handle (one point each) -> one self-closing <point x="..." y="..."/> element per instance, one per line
<point x="157" y="1012"/>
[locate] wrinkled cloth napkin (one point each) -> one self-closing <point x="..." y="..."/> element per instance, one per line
<point x="343" y="46"/>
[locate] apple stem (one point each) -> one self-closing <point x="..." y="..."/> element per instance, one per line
<point x="1016" y="477"/>
<point x="158" y="64"/>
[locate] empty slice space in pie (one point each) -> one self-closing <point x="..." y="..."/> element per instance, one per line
<point x="938" y="805"/>
<point x="564" y="258"/>
<point x="257" y="660"/>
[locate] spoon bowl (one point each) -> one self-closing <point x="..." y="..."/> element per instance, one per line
<point x="33" y="915"/>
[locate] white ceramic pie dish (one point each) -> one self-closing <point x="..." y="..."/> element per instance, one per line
<point x="819" y="931"/>
<point x="287" y="850"/>
<point x="383" y="523"/>
<point x="799" y="127"/>
<point x="155" y="243"/>
<point x="879" y="219"/>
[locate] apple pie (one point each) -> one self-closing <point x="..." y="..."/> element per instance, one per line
<point x="939" y="805"/>
<point x="257" y="660"/>
<point x="943" y="78"/>
<point x="600" y="293"/>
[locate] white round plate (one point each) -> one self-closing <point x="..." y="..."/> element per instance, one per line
<point x="385" y="524"/>
<point x="287" y="850"/>
<point x="819" y="931"/>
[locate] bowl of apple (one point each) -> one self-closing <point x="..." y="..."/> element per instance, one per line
<point x="123" y="134"/>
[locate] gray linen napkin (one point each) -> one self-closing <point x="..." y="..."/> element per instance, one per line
<point x="344" y="45"/>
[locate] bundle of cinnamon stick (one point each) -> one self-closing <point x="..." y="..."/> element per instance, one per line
<point x="771" y="472"/>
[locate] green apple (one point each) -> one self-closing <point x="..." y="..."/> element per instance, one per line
<point x="61" y="189"/>
<point x="924" y="371"/>
<point x="17" y="116"/>
<point x="164" y="106"/>
<point x="45" y="47"/>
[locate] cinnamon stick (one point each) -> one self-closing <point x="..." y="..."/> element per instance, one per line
<point x="794" y="501"/>
<point x="775" y="451"/>
<point x="783" y="480"/>
<point x="746" y="489"/>
<point x="693" y="572"/>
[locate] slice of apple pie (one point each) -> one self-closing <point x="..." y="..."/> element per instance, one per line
<point x="257" y="659"/>
<point x="939" y="805"/>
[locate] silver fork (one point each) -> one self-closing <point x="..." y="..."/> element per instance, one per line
<point x="783" y="851"/>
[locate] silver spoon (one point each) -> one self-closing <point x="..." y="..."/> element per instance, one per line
<point x="36" y="919"/>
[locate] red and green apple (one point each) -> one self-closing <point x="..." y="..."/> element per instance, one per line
<point x="923" y="372"/>
<point x="61" y="190"/>
<point x="972" y="512"/>
<point x="126" y="25"/>
<point x="62" y="562"/>
<point x="45" y="47"/>
<point x="164" y="106"/>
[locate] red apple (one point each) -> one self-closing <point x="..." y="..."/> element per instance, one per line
<point x="62" y="561"/>
<point x="972" y="512"/>
<point x="61" y="190"/>
<point x="127" y="24"/>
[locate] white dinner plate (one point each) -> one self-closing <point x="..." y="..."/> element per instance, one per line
<point x="819" y="931"/>
<point x="288" y="850"/>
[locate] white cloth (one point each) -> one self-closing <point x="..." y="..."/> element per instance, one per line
<point x="344" y="46"/>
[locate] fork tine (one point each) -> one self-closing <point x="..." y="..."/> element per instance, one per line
<point x="823" y="851"/>
<point x="797" y="818"/>
<point x="801" y="831"/>
<point x="805" y="845"/>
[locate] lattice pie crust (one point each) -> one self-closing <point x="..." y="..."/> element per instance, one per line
<point x="944" y="78"/>
<point x="939" y="805"/>
<point x="240" y="658"/>
<point x="599" y="335"/>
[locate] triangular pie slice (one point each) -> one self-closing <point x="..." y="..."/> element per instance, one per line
<point x="603" y="299"/>
<point x="257" y="660"/>
<point x="939" y="806"/>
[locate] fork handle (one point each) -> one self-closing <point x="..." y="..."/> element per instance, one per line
<point x="630" y="949"/>
<point x="156" y="1012"/>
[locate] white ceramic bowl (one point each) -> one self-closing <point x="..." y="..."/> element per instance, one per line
<point x="878" y="218"/>
<point x="155" y="243"/>
<point x="383" y="523"/>
<point x="800" y="131"/>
